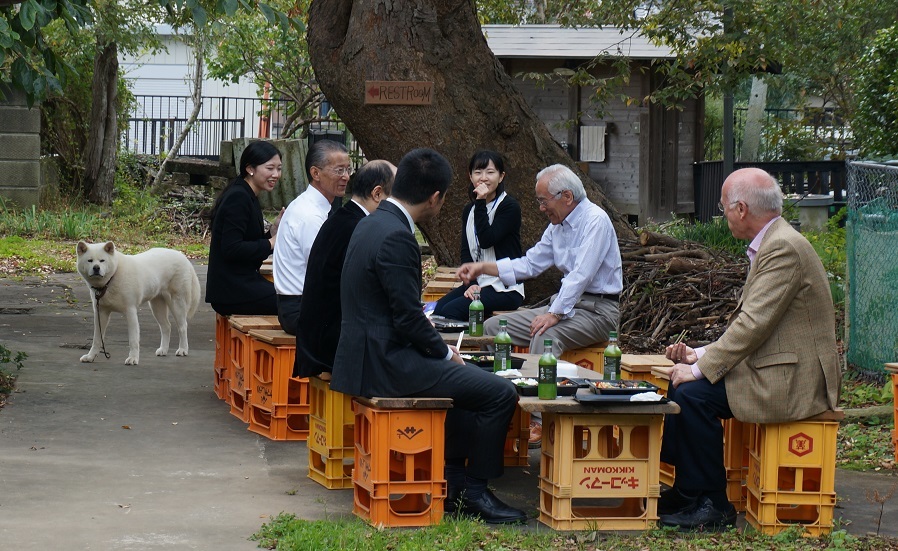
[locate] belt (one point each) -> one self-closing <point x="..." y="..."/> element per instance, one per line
<point x="615" y="297"/>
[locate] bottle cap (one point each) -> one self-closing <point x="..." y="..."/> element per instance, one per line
<point x="503" y="321"/>
<point x="547" y="344"/>
<point x="612" y="334"/>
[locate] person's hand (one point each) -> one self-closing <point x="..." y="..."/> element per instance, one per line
<point x="541" y="323"/>
<point x="469" y="292"/>
<point x="469" y="271"/>
<point x="277" y="221"/>
<point x="681" y="373"/>
<point x="455" y="356"/>
<point x="481" y="191"/>
<point x="680" y="353"/>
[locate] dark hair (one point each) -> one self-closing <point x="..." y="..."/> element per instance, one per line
<point x="256" y="153"/>
<point x="371" y="175"/>
<point x="481" y="160"/>
<point x="319" y="152"/>
<point x="420" y="173"/>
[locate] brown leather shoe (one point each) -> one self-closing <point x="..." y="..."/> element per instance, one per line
<point x="536" y="435"/>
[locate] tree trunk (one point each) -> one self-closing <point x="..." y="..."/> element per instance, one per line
<point x="101" y="148"/>
<point x="474" y="104"/>
<point x="199" y="48"/>
<point x="757" y="103"/>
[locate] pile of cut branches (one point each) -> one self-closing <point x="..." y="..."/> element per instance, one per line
<point x="672" y="287"/>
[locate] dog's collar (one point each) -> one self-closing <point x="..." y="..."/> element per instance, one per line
<point x="100" y="291"/>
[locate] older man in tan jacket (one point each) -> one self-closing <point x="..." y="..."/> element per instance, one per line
<point x="776" y="362"/>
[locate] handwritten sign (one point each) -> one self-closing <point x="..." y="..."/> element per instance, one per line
<point x="397" y="92"/>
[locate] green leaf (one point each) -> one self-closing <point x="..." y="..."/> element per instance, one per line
<point x="22" y="75"/>
<point x="27" y="13"/>
<point x="228" y="6"/>
<point x="268" y="13"/>
<point x="199" y="16"/>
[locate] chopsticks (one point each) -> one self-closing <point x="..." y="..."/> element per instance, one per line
<point x="681" y="337"/>
<point x="460" y="337"/>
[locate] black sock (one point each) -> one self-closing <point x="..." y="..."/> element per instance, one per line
<point x="474" y="487"/>
<point x="719" y="500"/>
<point x="455" y="474"/>
<point x="687" y="493"/>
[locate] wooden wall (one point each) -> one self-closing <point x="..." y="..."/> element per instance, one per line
<point x="649" y="151"/>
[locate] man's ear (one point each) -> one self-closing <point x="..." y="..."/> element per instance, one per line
<point x="377" y="193"/>
<point x="434" y="199"/>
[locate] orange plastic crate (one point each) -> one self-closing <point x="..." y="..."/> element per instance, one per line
<point x="221" y="363"/>
<point x="239" y="405"/>
<point x="398" y="476"/>
<point x="592" y="358"/>
<point x="331" y="450"/>
<point x="292" y="426"/>
<point x="600" y="471"/>
<point x="517" y="450"/>
<point x="221" y="385"/>
<point x="270" y="370"/>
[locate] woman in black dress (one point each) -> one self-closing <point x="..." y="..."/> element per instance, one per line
<point x="491" y="229"/>
<point x="239" y="241"/>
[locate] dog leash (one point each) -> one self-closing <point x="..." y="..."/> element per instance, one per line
<point x="99" y="292"/>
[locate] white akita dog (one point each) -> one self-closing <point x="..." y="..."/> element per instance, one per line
<point x="120" y="282"/>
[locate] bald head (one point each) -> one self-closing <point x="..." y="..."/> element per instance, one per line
<point x="751" y="198"/>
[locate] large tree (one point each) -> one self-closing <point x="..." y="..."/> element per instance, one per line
<point x="474" y="104"/>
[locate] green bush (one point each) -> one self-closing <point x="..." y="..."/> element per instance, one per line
<point x="875" y="121"/>
<point x="8" y="377"/>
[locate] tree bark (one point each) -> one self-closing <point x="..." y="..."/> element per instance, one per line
<point x="101" y="149"/>
<point x="474" y="105"/>
<point x="200" y="42"/>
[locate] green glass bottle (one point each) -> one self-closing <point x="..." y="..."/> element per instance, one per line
<point x="611" y="369"/>
<point x="547" y="387"/>
<point x="475" y="316"/>
<point x="502" y="342"/>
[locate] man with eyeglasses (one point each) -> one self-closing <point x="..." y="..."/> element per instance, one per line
<point x="776" y="362"/>
<point x="581" y="242"/>
<point x="328" y="170"/>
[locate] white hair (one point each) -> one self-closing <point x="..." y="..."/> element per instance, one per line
<point x="561" y="178"/>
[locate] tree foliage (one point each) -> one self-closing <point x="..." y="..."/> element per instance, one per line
<point x="276" y="57"/>
<point x="876" y="121"/>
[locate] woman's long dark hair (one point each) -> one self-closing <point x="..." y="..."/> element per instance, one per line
<point x="256" y="153"/>
<point x="480" y="161"/>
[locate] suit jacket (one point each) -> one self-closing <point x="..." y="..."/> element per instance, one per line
<point x="779" y="352"/>
<point x="387" y="346"/>
<point x="239" y="244"/>
<point x="318" y="330"/>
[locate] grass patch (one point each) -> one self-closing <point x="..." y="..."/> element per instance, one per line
<point x="714" y="234"/>
<point x="866" y="446"/>
<point x="285" y="532"/>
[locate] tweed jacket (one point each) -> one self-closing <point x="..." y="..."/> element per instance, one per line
<point x="778" y="353"/>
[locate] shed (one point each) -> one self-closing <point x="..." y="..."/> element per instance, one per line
<point x="641" y="155"/>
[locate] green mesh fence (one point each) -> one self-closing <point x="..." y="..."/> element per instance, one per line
<point x="872" y="255"/>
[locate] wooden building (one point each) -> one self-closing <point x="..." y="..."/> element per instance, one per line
<point x="641" y="155"/>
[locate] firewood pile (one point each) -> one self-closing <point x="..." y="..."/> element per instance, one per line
<point x="672" y="286"/>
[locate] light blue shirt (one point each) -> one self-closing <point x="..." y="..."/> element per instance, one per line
<point x="584" y="247"/>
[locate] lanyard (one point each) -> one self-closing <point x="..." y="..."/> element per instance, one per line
<point x="489" y="211"/>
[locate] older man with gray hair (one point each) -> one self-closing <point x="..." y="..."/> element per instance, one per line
<point x="580" y="241"/>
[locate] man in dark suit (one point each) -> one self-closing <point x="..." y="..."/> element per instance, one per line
<point x="389" y="348"/>
<point x="318" y="329"/>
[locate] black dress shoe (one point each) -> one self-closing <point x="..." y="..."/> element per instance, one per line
<point x="491" y="510"/>
<point x="452" y="501"/>
<point x="702" y="516"/>
<point x="672" y="501"/>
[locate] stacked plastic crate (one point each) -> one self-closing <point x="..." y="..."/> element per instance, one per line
<point x="278" y="402"/>
<point x="331" y="436"/>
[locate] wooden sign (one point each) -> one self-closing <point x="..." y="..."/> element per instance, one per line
<point x="398" y="92"/>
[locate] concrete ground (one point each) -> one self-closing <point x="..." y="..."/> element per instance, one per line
<point x="105" y="456"/>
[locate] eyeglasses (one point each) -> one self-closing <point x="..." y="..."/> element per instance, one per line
<point x="339" y="171"/>
<point x="543" y="202"/>
<point x="720" y="205"/>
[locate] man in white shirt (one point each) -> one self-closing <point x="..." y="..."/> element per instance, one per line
<point x="580" y="242"/>
<point x="328" y="170"/>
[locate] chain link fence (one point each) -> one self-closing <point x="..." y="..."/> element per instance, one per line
<point x="872" y="256"/>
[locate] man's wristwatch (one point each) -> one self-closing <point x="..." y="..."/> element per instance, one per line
<point x="558" y="317"/>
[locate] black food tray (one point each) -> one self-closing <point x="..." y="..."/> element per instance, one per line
<point x="587" y="398"/>
<point x="485" y="360"/>
<point x="447" y="325"/>
<point x="563" y="390"/>
<point x="624" y="387"/>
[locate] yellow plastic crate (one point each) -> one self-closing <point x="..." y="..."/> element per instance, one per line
<point x="791" y="476"/>
<point x="588" y="358"/>
<point x="600" y="471"/>
<point x="735" y="460"/>
<point x="331" y="436"/>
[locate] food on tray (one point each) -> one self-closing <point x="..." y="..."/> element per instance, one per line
<point x="524" y="382"/>
<point x="624" y="384"/>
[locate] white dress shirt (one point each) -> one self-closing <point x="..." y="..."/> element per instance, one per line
<point x="297" y="231"/>
<point x="584" y="247"/>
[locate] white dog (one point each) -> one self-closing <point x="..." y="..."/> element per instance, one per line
<point x="120" y="283"/>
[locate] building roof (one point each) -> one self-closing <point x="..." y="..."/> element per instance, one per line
<point x="555" y="41"/>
